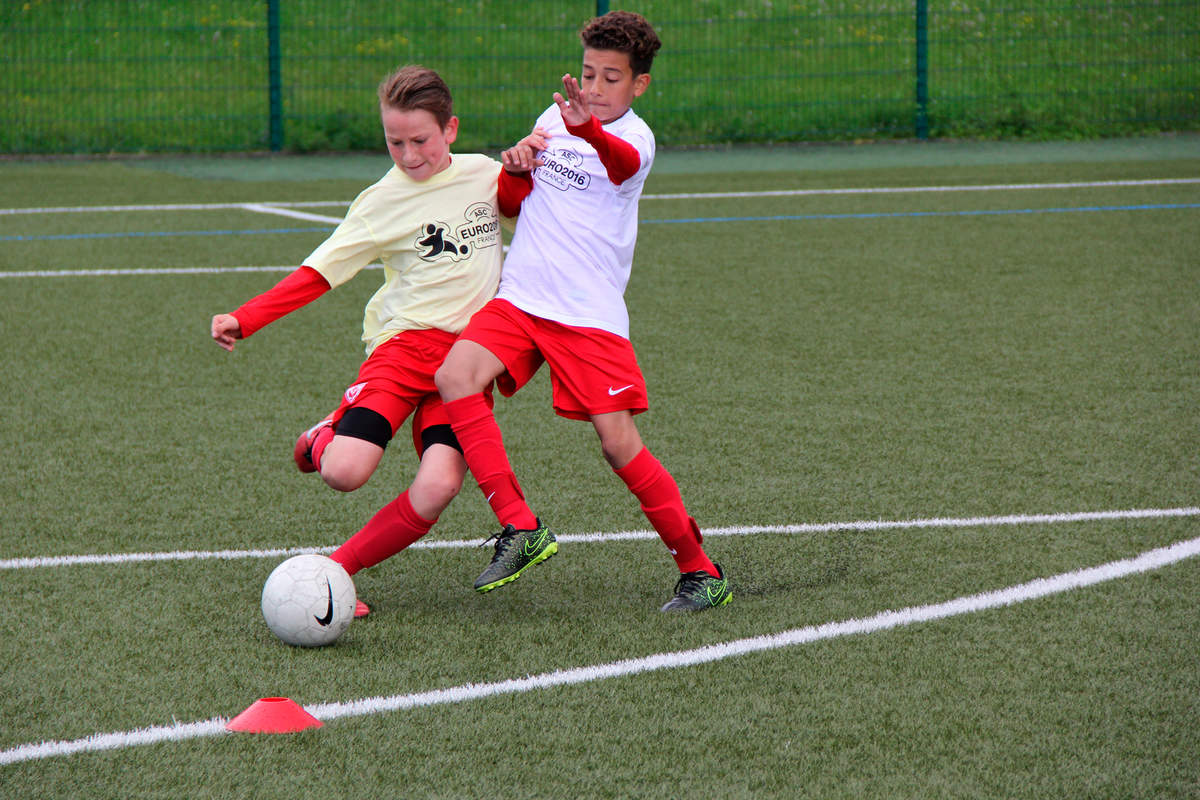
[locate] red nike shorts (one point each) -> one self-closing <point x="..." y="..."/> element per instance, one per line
<point x="396" y="381"/>
<point x="592" y="371"/>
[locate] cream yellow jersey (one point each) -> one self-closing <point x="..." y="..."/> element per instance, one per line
<point x="438" y="240"/>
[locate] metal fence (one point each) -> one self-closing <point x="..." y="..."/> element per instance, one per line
<point x="300" y="75"/>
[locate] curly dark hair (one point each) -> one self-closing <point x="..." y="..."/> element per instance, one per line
<point x="625" y="32"/>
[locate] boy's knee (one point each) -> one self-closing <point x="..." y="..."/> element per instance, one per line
<point x="348" y="462"/>
<point x="620" y="450"/>
<point x="468" y="369"/>
<point x="431" y="496"/>
<point x="442" y="492"/>
<point x="344" y="477"/>
<point x="453" y="381"/>
<point x="443" y="379"/>
<point x="620" y="441"/>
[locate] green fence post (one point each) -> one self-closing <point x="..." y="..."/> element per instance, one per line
<point x="601" y="7"/>
<point x="921" y="123"/>
<point x="274" y="79"/>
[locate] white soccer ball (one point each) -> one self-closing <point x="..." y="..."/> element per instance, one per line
<point x="308" y="600"/>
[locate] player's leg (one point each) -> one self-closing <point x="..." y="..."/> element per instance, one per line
<point x="345" y="462"/>
<point x="596" y="376"/>
<point x="620" y="441"/>
<point x="655" y="489"/>
<point x="348" y="462"/>
<point x="701" y="583"/>
<point x="346" y="446"/>
<point x="438" y="480"/>
<point x="410" y="516"/>
<point x="395" y="382"/>
<point x="496" y="346"/>
<point x="406" y="519"/>
<point x="469" y="369"/>
<point x="523" y="540"/>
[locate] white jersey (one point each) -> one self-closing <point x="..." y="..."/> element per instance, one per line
<point x="572" y="252"/>
<point x="439" y="241"/>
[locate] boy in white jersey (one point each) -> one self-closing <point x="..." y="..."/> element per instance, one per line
<point x="561" y="301"/>
<point x="433" y="222"/>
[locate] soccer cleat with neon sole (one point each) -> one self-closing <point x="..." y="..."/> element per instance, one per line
<point x="361" y="609"/>
<point x="516" y="551"/>
<point x="697" y="591"/>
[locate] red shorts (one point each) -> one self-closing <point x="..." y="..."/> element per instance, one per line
<point x="592" y="371"/>
<point x="396" y="380"/>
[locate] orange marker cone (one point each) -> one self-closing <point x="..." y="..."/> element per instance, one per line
<point x="273" y="715"/>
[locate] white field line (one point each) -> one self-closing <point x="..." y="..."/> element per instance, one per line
<point x="287" y="212"/>
<point x="883" y="621"/>
<point x="282" y="208"/>
<point x="274" y="207"/>
<point x="174" y="207"/>
<point x="89" y="273"/>
<point x="618" y="536"/>
<point x="994" y="187"/>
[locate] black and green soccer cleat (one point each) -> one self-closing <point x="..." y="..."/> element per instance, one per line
<point x="516" y="551"/>
<point x="697" y="591"/>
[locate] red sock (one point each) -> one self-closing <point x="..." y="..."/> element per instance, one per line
<point x="322" y="440"/>
<point x="393" y="528"/>
<point x="483" y="447"/>
<point x="662" y="504"/>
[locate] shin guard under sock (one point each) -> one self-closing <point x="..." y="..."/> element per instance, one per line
<point x="483" y="448"/>
<point x="393" y="528"/>
<point x="662" y="504"/>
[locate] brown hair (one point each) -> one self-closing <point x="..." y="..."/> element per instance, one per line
<point x="415" y="87"/>
<point x="625" y="32"/>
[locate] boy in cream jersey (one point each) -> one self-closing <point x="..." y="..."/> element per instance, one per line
<point x="433" y="221"/>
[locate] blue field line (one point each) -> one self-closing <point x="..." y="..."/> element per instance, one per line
<point x="899" y="214"/>
<point x="683" y="221"/>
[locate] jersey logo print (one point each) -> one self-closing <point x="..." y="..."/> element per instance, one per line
<point x="563" y="169"/>
<point x="436" y="238"/>
<point x="480" y="226"/>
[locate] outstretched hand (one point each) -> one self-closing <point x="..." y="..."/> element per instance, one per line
<point x="225" y="330"/>
<point x="574" y="109"/>
<point x="524" y="155"/>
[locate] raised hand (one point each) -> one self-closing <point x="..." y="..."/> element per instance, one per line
<point x="573" y="107"/>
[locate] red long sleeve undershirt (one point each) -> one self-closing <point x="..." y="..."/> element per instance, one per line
<point x="297" y="289"/>
<point x="511" y="190"/>
<point x="618" y="156"/>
